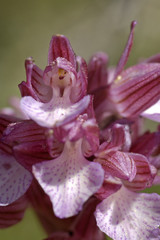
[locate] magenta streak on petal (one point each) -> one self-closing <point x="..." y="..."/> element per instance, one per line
<point x="132" y="96"/>
<point x="118" y="164"/>
<point x="61" y="47"/>
<point x="69" y="180"/>
<point x="143" y="178"/>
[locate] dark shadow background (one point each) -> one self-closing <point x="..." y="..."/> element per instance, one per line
<point x="26" y="28"/>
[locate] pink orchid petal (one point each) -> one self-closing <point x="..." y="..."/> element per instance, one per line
<point x="147" y="144"/>
<point x="91" y="137"/>
<point x="79" y="90"/>
<point x="28" y="154"/>
<point x="155" y="234"/>
<point x="107" y="189"/>
<point x="13" y="213"/>
<point x="137" y="89"/>
<point x="144" y="173"/>
<point x="152" y="112"/>
<point x="126" y="52"/>
<point x="127" y="215"/>
<point x="54" y="146"/>
<point x="61" y="47"/>
<point x="53" y="113"/>
<point x="84" y="128"/>
<point x="22" y="132"/>
<point x="35" y="86"/>
<point x="116" y="137"/>
<point x="97" y="72"/>
<point x="14" y="179"/>
<point x="118" y="164"/>
<point x="69" y="180"/>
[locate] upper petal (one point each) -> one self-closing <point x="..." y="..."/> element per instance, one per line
<point x="61" y="47"/>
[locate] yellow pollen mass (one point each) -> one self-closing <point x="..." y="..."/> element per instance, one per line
<point x="118" y="79"/>
<point x="61" y="73"/>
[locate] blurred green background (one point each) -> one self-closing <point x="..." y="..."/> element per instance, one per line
<point x="26" y="28"/>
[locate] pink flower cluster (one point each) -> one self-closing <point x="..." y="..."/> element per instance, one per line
<point x="75" y="149"/>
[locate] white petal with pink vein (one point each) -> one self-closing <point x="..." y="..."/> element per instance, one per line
<point x="69" y="180"/>
<point x="127" y="215"/>
<point x="58" y="111"/>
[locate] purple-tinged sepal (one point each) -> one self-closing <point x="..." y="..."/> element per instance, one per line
<point x="126" y="52"/>
<point x="34" y="86"/>
<point x="136" y="89"/>
<point x="61" y="47"/>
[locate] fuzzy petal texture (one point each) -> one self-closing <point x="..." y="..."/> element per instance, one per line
<point x="14" y="179"/>
<point x="53" y="113"/>
<point x="126" y="215"/>
<point x="69" y="180"/>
